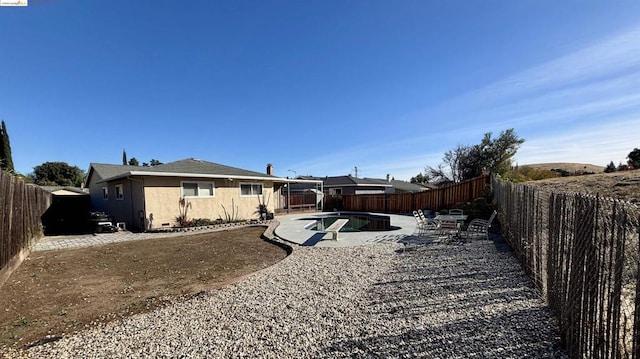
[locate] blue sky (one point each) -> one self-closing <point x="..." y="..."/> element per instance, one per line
<point x="318" y="87"/>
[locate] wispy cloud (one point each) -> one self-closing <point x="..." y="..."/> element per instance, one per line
<point x="581" y="107"/>
<point x="584" y="106"/>
<point x="596" y="144"/>
<point x="617" y="54"/>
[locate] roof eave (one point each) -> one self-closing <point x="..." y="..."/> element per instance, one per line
<point x="195" y="175"/>
<point x="359" y="185"/>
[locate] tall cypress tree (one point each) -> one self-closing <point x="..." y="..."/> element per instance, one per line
<point x="124" y="157"/>
<point x="5" y="151"/>
<point x="2" y="155"/>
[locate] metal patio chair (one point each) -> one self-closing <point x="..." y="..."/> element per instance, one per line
<point x="479" y="228"/>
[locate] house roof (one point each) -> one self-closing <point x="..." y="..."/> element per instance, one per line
<point x="348" y="181"/>
<point x="189" y="167"/>
<point x="402" y="185"/>
<point x="408" y="186"/>
<point x="65" y="190"/>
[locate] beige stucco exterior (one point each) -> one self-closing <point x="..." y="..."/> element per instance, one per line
<point x="153" y="202"/>
<point x="162" y="197"/>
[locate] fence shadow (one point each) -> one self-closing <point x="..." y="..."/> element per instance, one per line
<point x="454" y="302"/>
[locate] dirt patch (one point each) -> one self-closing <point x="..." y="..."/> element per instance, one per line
<point x="620" y="185"/>
<point x="54" y="293"/>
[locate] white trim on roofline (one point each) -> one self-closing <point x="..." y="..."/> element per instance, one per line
<point x="359" y="185"/>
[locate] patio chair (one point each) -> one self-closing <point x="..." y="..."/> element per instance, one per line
<point x="420" y="224"/>
<point x="426" y="213"/>
<point x="424" y="224"/>
<point x="449" y="228"/>
<point x="479" y="228"/>
<point x="456" y="212"/>
<point x="422" y="216"/>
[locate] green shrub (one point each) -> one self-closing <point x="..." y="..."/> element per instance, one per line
<point x="199" y="222"/>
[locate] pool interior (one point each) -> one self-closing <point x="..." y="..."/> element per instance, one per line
<point x="358" y="222"/>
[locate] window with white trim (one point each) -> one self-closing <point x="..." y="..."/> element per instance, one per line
<point x="250" y="189"/>
<point x="198" y="189"/>
<point x="119" y="191"/>
<point x="105" y="193"/>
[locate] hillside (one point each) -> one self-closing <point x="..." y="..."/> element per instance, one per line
<point x="621" y="185"/>
<point x="567" y="166"/>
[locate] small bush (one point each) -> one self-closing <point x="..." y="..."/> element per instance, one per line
<point x="200" y="222"/>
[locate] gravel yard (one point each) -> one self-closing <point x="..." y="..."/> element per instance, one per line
<point x="436" y="301"/>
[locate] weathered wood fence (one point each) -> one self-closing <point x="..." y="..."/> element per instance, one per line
<point x="21" y="206"/>
<point x="583" y="254"/>
<point x="435" y="199"/>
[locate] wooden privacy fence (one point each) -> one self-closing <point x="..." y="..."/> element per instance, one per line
<point x="21" y="206"/>
<point x="435" y="199"/>
<point x="582" y="252"/>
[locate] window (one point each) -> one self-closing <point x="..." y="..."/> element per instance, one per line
<point x="198" y="189"/>
<point x="105" y="193"/>
<point x="250" y="189"/>
<point x="119" y="192"/>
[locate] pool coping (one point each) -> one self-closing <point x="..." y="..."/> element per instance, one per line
<point x="292" y="229"/>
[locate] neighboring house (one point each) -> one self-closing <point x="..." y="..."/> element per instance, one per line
<point x="401" y="186"/>
<point x="148" y="197"/>
<point x="341" y="185"/>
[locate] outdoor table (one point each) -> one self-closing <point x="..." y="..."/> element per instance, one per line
<point x="449" y="217"/>
<point x="455" y="219"/>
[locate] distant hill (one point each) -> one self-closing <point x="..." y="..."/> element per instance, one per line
<point x="567" y="166"/>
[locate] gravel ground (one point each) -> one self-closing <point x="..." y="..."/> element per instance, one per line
<point x="435" y="301"/>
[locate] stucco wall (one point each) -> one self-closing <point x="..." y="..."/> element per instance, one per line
<point x="162" y="196"/>
<point x="95" y="191"/>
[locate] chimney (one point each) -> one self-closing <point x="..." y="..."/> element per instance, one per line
<point x="388" y="179"/>
<point x="269" y="169"/>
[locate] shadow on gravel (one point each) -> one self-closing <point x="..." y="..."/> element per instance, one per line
<point x="466" y="338"/>
<point x="454" y="301"/>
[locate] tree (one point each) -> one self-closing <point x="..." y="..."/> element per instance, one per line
<point x="451" y="170"/>
<point x="134" y="162"/>
<point x="6" y="160"/>
<point x="154" y="162"/>
<point x="57" y="174"/>
<point x="124" y="157"/>
<point x="634" y="158"/>
<point x="611" y="167"/>
<point x="420" y="179"/>
<point x="490" y="155"/>
<point x="623" y="167"/>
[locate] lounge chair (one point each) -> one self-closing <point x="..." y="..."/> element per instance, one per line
<point x="424" y="224"/>
<point x="419" y="223"/>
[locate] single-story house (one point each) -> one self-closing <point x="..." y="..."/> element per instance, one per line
<point x="149" y="197"/>
<point x="398" y="186"/>
<point x="341" y="185"/>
